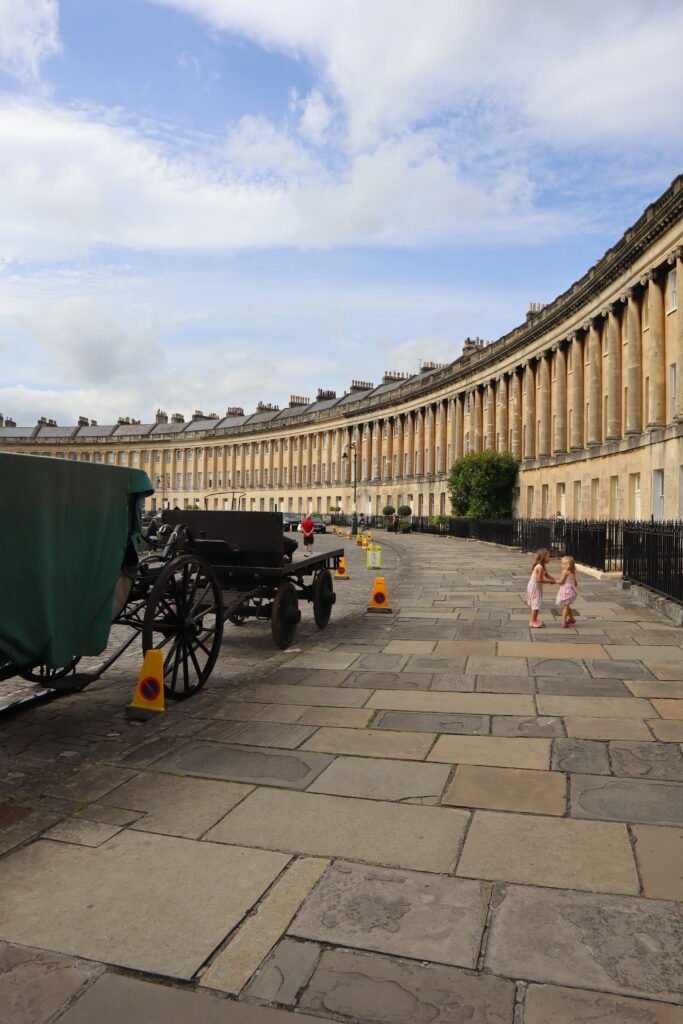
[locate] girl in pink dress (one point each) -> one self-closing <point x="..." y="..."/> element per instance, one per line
<point x="567" y="593"/>
<point x="534" y="588"/>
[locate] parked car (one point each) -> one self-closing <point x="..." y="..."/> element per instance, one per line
<point x="290" y="522"/>
<point x="319" y="525"/>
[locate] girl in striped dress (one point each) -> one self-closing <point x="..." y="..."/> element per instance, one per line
<point x="534" y="588"/>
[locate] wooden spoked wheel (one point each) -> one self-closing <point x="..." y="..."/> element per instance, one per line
<point x="323" y="598"/>
<point x="184" y="618"/>
<point x="285" y="615"/>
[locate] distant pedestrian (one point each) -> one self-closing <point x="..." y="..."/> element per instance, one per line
<point x="308" y="530"/>
<point x="567" y="594"/>
<point x="394" y="523"/>
<point x="534" y="589"/>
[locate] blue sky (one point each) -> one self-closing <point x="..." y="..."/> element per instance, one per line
<point x="207" y="203"/>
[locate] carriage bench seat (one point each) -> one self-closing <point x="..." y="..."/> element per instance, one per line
<point x="233" y="538"/>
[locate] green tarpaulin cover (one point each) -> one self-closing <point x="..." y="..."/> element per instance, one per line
<point x="65" y="535"/>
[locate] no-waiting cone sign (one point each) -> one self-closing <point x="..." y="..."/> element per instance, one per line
<point x="148" y="699"/>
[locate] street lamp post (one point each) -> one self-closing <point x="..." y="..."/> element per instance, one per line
<point x="354" y="520"/>
<point x="161" y="482"/>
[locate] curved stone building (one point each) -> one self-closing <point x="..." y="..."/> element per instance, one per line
<point x="587" y="394"/>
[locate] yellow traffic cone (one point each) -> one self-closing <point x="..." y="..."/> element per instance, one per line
<point x="359" y="540"/>
<point x="369" y="535"/>
<point x="348" y="535"/>
<point x="379" y="600"/>
<point x="364" y="542"/>
<point x="148" y="699"/>
<point x="341" y="573"/>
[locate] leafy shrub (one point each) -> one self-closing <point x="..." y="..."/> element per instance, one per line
<point x="388" y="510"/>
<point x="405" y="510"/>
<point x="480" y="485"/>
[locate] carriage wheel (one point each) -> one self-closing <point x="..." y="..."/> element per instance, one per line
<point x="323" y="598"/>
<point x="47" y="676"/>
<point x="285" y="615"/>
<point x="184" y="618"/>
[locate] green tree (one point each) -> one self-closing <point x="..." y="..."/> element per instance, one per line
<point x="388" y="510"/>
<point x="480" y="485"/>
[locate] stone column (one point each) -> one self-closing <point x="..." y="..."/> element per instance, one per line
<point x="459" y="415"/>
<point x="390" y="445"/>
<point x="676" y="262"/>
<point x="443" y="466"/>
<point x="576" y="440"/>
<point x="544" y="406"/>
<point x="516" y="414"/>
<point x="491" y="416"/>
<point x="503" y="415"/>
<point x="430" y="447"/>
<point x="478" y="418"/>
<point x="560" y="400"/>
<point x="655" y="348"/>
<point x="613" y="375"/>
<point x="261" y="462"/>
<point x="594" y="386"/>
<point x="634" y="364"/>
<point x="399" y="447"/>
<point x="529" y="412"/>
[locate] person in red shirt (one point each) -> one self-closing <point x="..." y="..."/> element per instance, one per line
<point x="308" y="530"/>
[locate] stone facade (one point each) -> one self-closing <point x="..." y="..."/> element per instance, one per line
<point x="587" y="394"/>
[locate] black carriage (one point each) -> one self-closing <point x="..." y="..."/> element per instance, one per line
<point x="71" y="570"/>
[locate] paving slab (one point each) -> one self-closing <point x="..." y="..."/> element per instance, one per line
<point x="667" y="669"/>
<point x="505" y="684"/>
<point x="607" y="728"/>
<point x="349" y="718"/>
<point x="313" y="696"/>
<point x="377" y="990"/>
<point x="589" y="757"/>
<point x="427" y="721"/>
<point x="81" y="831"/>
<point x="655" y="688"/>
<point x="595" y="707"/>
<point x="555" y="649"/>
<point x="259" y="734"/>
<point x="89" y="783"/>
<point x="516" y="725"/>
<point x="619" y="670"/>
<point x="667" y="730"/>
<point x="659" y="852"/>
<point x="492" y="664"/>
<point x="566" y="854"/>
<point x="551" y="1004"/>
<point x="647" y="760"/>
<point x="540" y="665"/>
<point x="581" y="686"/>
<point x="404" y="913"/>
<point x="324" y="660"/>
<point x="622" y="944"/>
<point x="637" y="800"/>
<point x="455" y="703"/>
<point x="457" y="648"/>
<point x="115" y="998"/>
<point x="288" y="968"/>
<point x="254" y="939"/>
<point x="131" y="884"/>
<point x="384" y="779"/>
<point x="371" y="743"/>
<point x="668" y="708"/>
<point x="409" y="647"/>
<point x="298" y="676"/>
<point x="497" y="751"/>
<point x="35" y="985"/>
<point x="293" y="769"/>
<point x="283" y="714"/>
<point x="389" y="680"/>
<point x="176" y="805"/>
<point x="451" y="682"/>
<point x="330" y="826"/>
<point x="643" y="652"/>
<point x="432" y="664"/>
<point x="507" y="789"/>
<point x="236" y="710"/>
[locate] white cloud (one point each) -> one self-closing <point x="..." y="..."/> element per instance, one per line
<point x="570" y="72"/>
<point x="29" y="34"/>
<point x="316" y="117"/>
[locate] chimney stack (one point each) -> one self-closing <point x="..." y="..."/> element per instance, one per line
<point x="177" y="417"/>
<point x="161" y="416"/>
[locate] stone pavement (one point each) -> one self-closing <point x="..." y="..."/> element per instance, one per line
<point x="431" y="817"/>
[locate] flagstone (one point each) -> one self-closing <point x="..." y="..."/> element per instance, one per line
<point x="607" y="728"/>
<point x="82" y="832"/>
<point x="432" y="664"/>
<point x="427" y="721"/>
<point x="409" y="647"/>
<point x="293" y="769"/>
<point x="404" y="913"/>
<point x="378" y="990"/>
<point x="492" y="664"/>
<point x="643" y="801"/>
<point x="505" y="684"/>
<point x="588" y="757"/>
<point x="513" y="725"/>
<point x="507" y="789"/>
<point x="643" y="652"/>
<point x="111" y="899"/>
<point x="656" y="688"/>
<point x="331" y="826"/>
<point x="314" y="696"/>
<point x="595" y="707"/>
<point x="382" y="779"/>
<point x="668" y="669"/>
<point x="288" y="968"/>
<point x="35" y="985"/>
<point x="659" y="852"/>
<point x="259" y="733"/>
<point x="620" y="669"/>
<point x="455" y="703"/>
<point x="557" y="852"/>
<point x="551" y="1004"/>
<point x="389" y="680"/>
<point x="581" y="686"/>
<point x="496" y="751"/>
<point x="622" y="944"/>
<point x="547" y="666"/>
<point x="668" y="708"/>
<point x="556" y="649"/>
<point x="647" y="760"/>
<point x="667" y="730"/>
<point x="371" y="743"/>
<point x="350" y="718"/>
<point x="324" y="660"/>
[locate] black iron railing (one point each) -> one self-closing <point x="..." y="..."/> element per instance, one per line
<point x="653" y="556"/>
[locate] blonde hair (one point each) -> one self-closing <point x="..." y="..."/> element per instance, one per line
<point x="571" y="563"/>
<point x="541" y="556"/>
